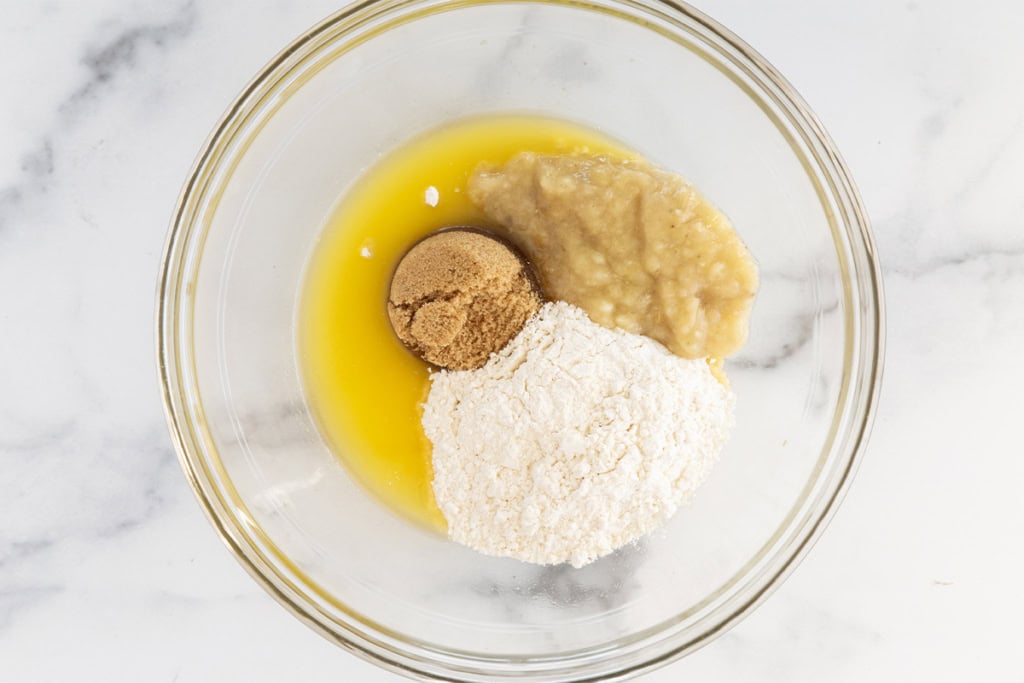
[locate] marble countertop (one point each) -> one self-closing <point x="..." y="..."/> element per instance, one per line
<point x="108" y="570"/>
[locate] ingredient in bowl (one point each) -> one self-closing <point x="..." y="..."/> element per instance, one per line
<point x="573" y="441"/>
<point x="458" y="296"/>
<point x="363" y="386"/>
<point x="637" y="248"/>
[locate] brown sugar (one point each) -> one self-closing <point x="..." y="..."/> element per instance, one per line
<point x="460" y="295"/>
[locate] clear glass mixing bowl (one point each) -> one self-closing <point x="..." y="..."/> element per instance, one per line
<point x="660" y="77"/>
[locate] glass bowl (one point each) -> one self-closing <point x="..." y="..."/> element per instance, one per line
<point x="658" y="76"/>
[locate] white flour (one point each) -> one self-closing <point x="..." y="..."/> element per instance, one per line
<point x="571" y="442"/>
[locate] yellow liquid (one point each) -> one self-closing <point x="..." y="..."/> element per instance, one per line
<point x="364" y="387"/>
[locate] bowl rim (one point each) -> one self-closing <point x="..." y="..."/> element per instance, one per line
<point x="861" y="395"/>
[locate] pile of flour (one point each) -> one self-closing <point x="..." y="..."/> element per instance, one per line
<point x="572" y="441"/>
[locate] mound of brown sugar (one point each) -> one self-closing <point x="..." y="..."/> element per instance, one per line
<point x="460" y="295"/>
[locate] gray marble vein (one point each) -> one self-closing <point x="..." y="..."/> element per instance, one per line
<point x="130" y="489"/>
<point x="104" y="62"/>
<point x="124" y="51"/>
<point x="997" y="261"/>
<point x="18" y="551"/>
<point x="799" y="334"/>
<point x="15" y="600"/>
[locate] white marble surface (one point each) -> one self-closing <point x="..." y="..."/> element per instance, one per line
<point x="108" y="571"/>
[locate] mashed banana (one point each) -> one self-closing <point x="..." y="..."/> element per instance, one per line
<point x="635" y="247"/>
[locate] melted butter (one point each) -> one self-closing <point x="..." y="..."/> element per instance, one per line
<point x="363" y="386"/>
